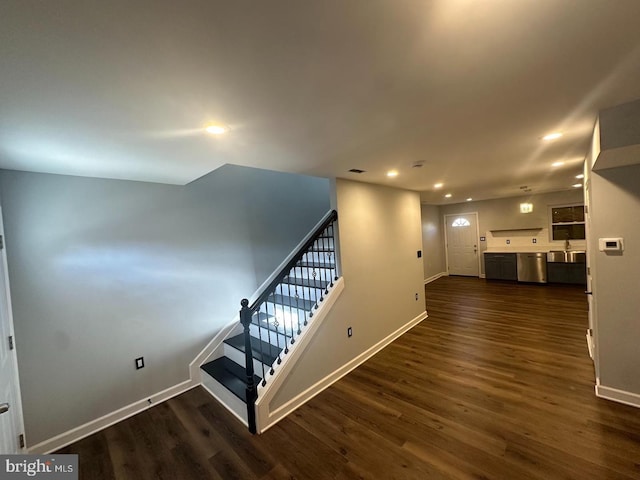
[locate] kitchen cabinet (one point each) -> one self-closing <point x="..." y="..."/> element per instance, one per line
<point x="500" y="266"/>
<point x="571" y="273"/>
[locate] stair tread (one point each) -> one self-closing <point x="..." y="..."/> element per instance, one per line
<point x="305" y="282"/>
<point x="317" y="265"/>
<point x="261" y="319"/>
<point x="262" y="351"/>
<point x="231" y="375"/>
<point x="295" y="303"/>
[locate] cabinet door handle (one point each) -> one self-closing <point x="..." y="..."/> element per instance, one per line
<point x="4" y="408"/>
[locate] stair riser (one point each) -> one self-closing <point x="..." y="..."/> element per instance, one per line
<point x="267" y="335"/>
<point x="287" y="319"/>
<point x="226" y="397"/>
<point x="324" y="243"/>
<point x="319" y="257"/>
<point x="322" y="274"/>
<point x="238" y="357"/>
<point x="307" y="272"/>
<point x="306" y="293"/>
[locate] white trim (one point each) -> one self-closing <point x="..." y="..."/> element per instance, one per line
<point x="227" y="402"/>
<point x="589" y="343"/>
<point x="94" y="426"/>
<point x="270" y="418"/>
<point x="213" y="348"/>
<point x="446" y="242"/>
<point x="433" y="278"/>
<point x="17" y="409"/>
<point x="275" y="381"/>
<point x="620" y="396"/>
<point x="482" y="275"/>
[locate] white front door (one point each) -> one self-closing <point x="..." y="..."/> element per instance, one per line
<point x="11" y="423"/>
<point x="462" y="244"/>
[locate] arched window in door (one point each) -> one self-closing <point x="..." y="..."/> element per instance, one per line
<point x="461" y="222"/>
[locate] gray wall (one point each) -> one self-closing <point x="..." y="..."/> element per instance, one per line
<point x="432" y="241"/>
<point x="504" y="213"/>
<point x="103" y="271"/>
<point x="615" y="195"/>
<point x="380" y="233"/>
<point x="618" y="126"/>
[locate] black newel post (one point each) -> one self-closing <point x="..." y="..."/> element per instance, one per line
<point x="252" y="392"/>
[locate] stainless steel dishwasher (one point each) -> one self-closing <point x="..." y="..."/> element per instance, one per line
<point x="532" y="267"/>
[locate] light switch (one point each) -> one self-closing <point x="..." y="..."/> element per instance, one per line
<point x="139" y="363"/>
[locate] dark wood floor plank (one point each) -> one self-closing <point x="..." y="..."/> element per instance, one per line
<point x="95" y="462"/>
<point x="495" y="384"/>
<point x="127" y="463"/>
<point x="255" y="454"/>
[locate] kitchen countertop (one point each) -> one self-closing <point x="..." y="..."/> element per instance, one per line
<point x="520" y="250"/>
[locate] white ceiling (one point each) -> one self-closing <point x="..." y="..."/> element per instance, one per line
<point x="123" y="89"/>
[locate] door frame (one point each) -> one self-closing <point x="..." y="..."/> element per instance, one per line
<point x="446" y="240"/>
<point x="18" y="411"/>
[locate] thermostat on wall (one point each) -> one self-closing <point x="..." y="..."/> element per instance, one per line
<point x="610" y="245"/>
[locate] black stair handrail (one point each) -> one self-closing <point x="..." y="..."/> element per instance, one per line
<point x="331" y="217"/>
<point x="247" y="312"/>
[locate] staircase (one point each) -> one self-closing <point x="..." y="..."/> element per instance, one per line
<point x="272" y="323"/>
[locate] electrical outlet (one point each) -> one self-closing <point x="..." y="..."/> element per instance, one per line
<point x="417" y="297"/>
<point x="349" y="332"/>
<point x="419" y="253"/>
<point x="139" y="363"/>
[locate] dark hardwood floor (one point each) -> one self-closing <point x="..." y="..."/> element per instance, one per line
<point x="495" y="384"/>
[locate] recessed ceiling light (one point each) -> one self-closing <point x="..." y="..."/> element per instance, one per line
<point x="448" y="195"/>
<point x="438" y="185"/>
<point x="215" y="129"/>
<point x="580" y="176"/>
<point x="576" y="185"/>
<point x="392" y="173"/>
<point x="469" y="199"/>
<point x="552" y="136"/>
<point x="557" y="164"/>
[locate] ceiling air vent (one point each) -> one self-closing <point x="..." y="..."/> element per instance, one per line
<point x="356" y="170"/>
<point x="417" y="165"/>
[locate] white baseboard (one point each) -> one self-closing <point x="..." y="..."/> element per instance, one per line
<point x="620" y="396"/>
<point x="94" y="426"/>
<point x="433" y="278"/>
<point x="281" y="412"/>
<point x="482" y="275"/>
